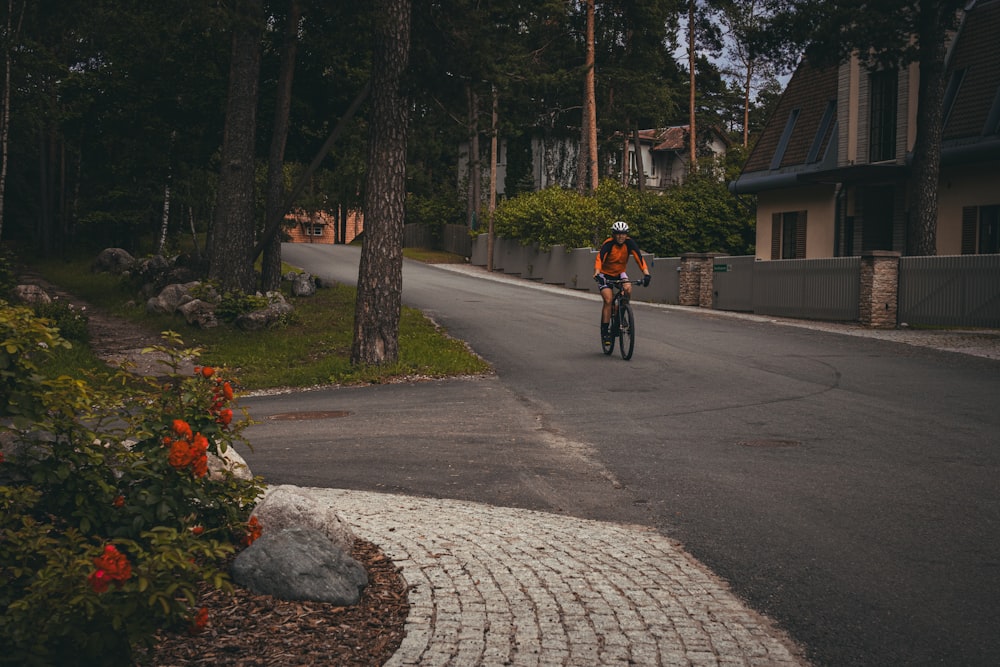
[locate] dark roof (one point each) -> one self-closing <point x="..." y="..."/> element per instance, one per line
<point x="787" y="154"/>
<point x="977" y="57"/>
<point x="808" y="95"/>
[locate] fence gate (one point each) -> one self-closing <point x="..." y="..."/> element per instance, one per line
<point x="961" y="290"/>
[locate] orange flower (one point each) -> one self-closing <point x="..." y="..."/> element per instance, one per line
<point x="180" y="454"/>
<point x="199" y="621"/>
<point x="225" y="417"/>
<point x="207" y="371"/>
<point x="254" y="530"/>
<point x="112" y="566"/>
<point x="119" y="501"/>
<point x="200" y="466"/>
<point x="181" y="428"/>
<point x="227" y="391"/>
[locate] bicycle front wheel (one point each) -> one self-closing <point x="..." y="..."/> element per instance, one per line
<point x="608" y="344"/>
<point x="626" y="332"/>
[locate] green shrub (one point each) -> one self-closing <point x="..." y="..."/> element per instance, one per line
<point x="24" y="339"/>
<point x="551" y="217"/>
<point x="69" y="320"/>
<point x="234" y="304"/>
<point x="109" y="520"/>
<point x="699" y="216"/>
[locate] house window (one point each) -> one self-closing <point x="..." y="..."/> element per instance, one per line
<point x="950" y="93"/>
<point x="882" y="137"/>
<point x="981" y="230"/>
<point x="788" y="235"/>
<point x="786" y="137"/>
<point x="829" y="115"/>
<point x="314" y="230"/>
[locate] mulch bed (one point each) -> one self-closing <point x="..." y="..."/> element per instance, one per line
<point x="247" y="629"/>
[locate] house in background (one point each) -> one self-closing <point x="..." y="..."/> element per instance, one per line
<point x="830" y="168"/>
<point x="664" y="155"/>
<point x="321" y="227"/>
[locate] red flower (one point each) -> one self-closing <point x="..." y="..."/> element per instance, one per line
<point x="207" y="371"/>
<point x="180" y="454"/>
<point x="99" y="581"/>
<point x="112" y="566"/>
<point x="254" y="530"/>
<point x="181" y="428"/>
<point x="197" y="530"/>
<point x="225" y="417"/>
<point x="119" y="501"/>
<point x="227" y="391"/>
<point x="199" y="621"/>
<point x="1" y="457"/>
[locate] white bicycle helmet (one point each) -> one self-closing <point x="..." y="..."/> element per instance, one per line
<point x="620" y="226"/>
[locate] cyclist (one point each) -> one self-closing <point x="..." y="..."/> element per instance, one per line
<point x="610" y="264"/>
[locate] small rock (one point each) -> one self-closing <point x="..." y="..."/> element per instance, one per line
<point x="300" y="564"/>
<point x="285" y="507"/>
<point x="31" y="294"/>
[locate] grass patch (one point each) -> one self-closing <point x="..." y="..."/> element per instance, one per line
<point x="313" y="348"/>
<point x="433" y="256"/>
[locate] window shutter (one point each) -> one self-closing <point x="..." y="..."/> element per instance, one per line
<point x="969" y="220"/>
<point x="800" y="235"/>
<point x="775" y="236"/>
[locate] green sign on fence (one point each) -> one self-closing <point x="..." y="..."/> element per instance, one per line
<point x="721" y="268"/>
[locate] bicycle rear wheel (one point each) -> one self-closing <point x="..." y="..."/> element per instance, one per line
<point x="608" y="346"/>
<point x="626" y="332"/>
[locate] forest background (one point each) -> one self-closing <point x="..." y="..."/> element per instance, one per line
<point x="114" y="111"/>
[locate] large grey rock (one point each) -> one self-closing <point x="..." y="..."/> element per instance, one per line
<point x="300" y="564"/>
<point x="31" y="294"/>
<point x="230" y="461"/>
<point x="303" y="285"/>
<point x="113" y="260"/>
<point x="199" y="313"/>
<point x="171" y="297"/>
<point x="286" y="507"/>
<point x="265" y="317"/>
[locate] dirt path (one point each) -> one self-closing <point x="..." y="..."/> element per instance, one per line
<point x="114" y="340"/>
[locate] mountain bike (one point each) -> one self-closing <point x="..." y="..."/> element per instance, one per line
<point x="622" y="326"/>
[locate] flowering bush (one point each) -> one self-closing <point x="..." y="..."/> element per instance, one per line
<point x="109" y="518"/>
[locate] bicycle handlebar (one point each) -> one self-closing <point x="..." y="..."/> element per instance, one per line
<point x="619" y="281"/>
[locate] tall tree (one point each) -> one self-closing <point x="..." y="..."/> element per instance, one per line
<point x="890" y="34"/>
<point x="274" y="202"/>
<point x="11" y="38"/>
<point x="741" y="20"/>
<point x="587" y="171"/>
<point x="380" y="276"/>
<point x="231" y="259"/>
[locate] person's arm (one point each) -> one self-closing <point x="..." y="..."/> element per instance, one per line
<point x="634" y="249"/>
<point x="599" y="261"/>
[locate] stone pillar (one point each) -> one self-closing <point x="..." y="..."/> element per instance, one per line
<point x="879" y="295"/>
<point x="696" y="280"/>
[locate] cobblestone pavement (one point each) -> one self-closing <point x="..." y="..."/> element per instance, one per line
<point x="499" y="586"/>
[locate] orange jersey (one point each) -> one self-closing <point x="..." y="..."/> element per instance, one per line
<point x="613" y="258"/>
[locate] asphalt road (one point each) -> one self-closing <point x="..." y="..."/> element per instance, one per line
<point x="847" y="487"/>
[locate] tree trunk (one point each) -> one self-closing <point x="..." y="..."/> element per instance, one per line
<point x="493" y="180"/>
<point x="640" y="171"/>
<point x="693" y="134"/>
<point x="746" y="104"/>
<point x="587" y="164"/>
<point x="380" y="277"/>
<point x="922" y="185"/>
<point x="275" y="199"/>
<point x="475" y="169"/>
<point x="231" y="263"/>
